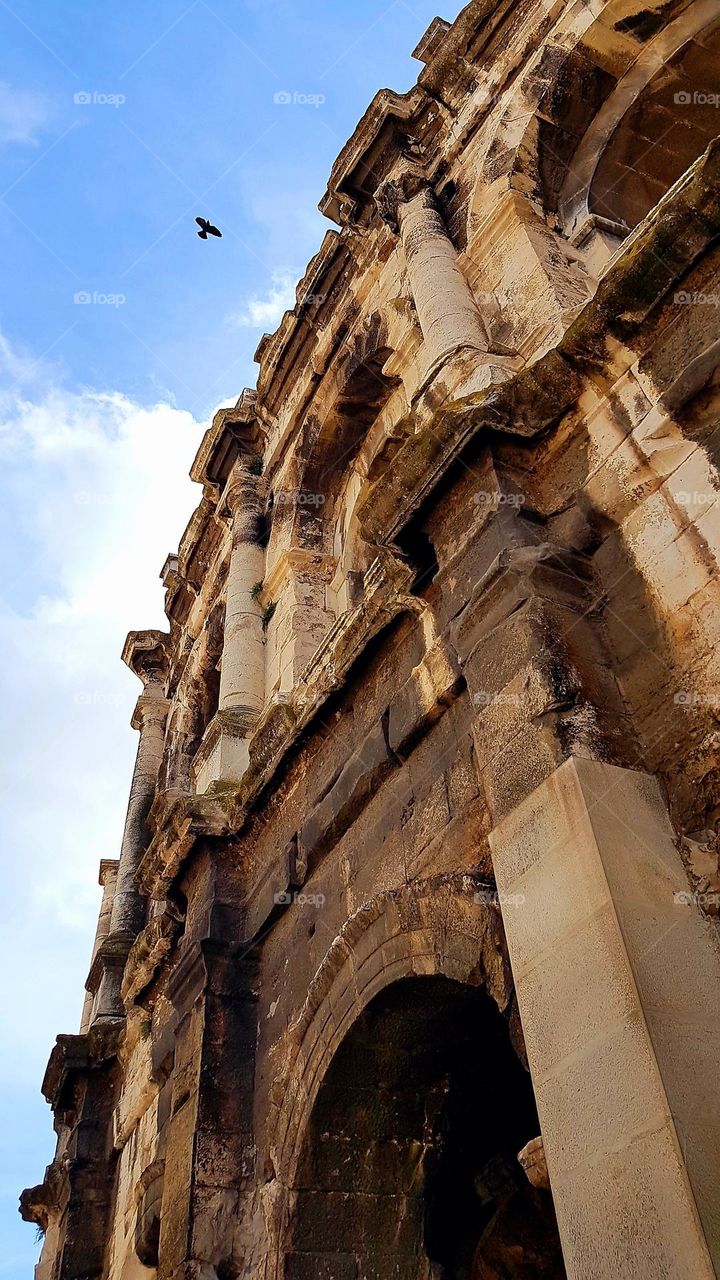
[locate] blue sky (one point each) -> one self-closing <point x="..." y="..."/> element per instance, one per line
<point x="103" y="404"/>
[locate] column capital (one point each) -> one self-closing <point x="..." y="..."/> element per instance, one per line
<point x="405" y="186"/>
<point x="243" y="500"/>
<point x="108" y="869"/>
<point x="151" y="707"/>
<point x="245" y="490"/>
<point x="145" y="653"/>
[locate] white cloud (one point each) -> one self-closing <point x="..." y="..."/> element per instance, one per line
<point x="94" y="493"/>
<point x="23" y="114"/>
<point x="265" y="310"/>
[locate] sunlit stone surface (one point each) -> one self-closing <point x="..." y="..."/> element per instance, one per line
<point x="408" y="965"/>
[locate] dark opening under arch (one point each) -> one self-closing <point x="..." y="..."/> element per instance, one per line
<point x="668" y="126"/>
<point x="409" y="1167"/>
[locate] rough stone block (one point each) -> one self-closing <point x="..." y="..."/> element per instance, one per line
<point x="423" y="698"/>
<point x="347" y="796"/>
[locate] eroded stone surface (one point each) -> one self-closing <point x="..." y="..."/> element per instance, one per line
<point x="460" y="545"/>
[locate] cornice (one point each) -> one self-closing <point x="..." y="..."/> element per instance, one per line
<point x="146" y="654"/>
<point x="431" y="41"/>
<point x="108" y="869"/>
<point x="295" y="349"/>
<point x="234" y="430"/>
<point x="369" y="153"/>
<point x="199" y="527"/>
<point x="271" y="345"/>
<point x="73" y="1054"/>
<point x="290" y="560"/>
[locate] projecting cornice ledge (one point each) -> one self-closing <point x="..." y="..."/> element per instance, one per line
<point x="369" y="153"/>
<point x="614" y="324"/>
<point x="73" y="1054"/>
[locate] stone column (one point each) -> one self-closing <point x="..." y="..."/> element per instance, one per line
<point x="618" y="982"/>
<point x="128" y="909"/>
<point x="108" y="879"/>
<point x="242" y="674"/>
<point x="223" y="755"/>
<point x="447" y="311"/>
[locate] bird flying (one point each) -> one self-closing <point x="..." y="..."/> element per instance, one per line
<point x="206" y="227"/>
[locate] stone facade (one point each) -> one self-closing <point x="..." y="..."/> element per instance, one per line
<point x="409" y="964"/>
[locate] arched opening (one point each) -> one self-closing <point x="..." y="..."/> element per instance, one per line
<point x="649" y="129"/>
<point x="668" y="126"/>
<point x="409" y="1165"/>
<point x="364" y="396"/>
<point x="364" y="391"/>
<point x="316" y="557"/>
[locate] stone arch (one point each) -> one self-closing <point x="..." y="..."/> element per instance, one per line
<point x="542" y="121"/>
<point x="316" y="554"/>
<point x="542" y="182"/>
<point x="447" y="930"/>
<point x="195" y="704"/>
<point x="361" y="389"/>
<point x="553" y="126"/>
<point x="309" y="578"/>
<point x="649" y="130"/>
<point x="356" y="390"/>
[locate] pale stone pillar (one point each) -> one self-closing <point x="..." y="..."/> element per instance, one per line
<point x="242" y="673"/>
<point x="618" y="983"/>
<point x="446" y="309"/>
<point x="107" y="878"/>
<point x="128" y="907"/>
<point x="223" y="755"/>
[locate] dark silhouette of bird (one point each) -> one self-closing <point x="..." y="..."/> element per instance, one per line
<point x="206" y="227"/>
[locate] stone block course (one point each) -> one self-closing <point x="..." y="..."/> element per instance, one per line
<point x="376" y="928"/>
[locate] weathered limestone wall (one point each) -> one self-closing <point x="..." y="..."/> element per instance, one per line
<point x="452" y="580"/>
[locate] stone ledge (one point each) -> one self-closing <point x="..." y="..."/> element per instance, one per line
<point x="38" y="1204"/>
<point x="224" y="738"/>
<point x="79" y="1053"/>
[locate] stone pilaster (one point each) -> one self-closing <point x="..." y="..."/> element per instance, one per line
<point x="618" y="979"/>
<point x="209" y="1156"/>
<point x="298" y="581"/>
<point x="223" y="755"/>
